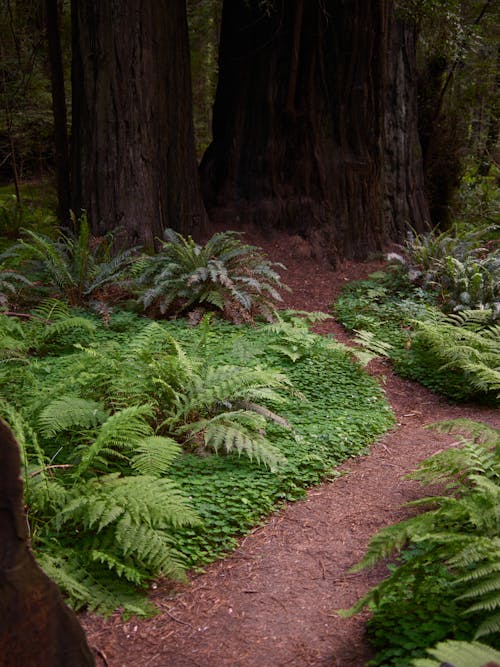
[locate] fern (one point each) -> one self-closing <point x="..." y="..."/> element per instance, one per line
<point x="460" y="530"/>
<point x="460" y="654"/>
<point x="75" y="264"/>
<point x="105" y="425"/>
<point x="292" y="327"/>
<point x="68" y="412"/>
<point x="32" y="455"/>
<point x="86" y="588"/>
<point x="123" y="430"/>
<point x="215" y="393"/>
<point x="369" y="341"/>
<point x="11" y="282"/>
<point x="130" y="516"/>
<point x="180" y="393"/>
<point x="154" y="455"/>
<point x="474" y="354"/>
<point x="226" y="275"/>
<point x="238" y="431"/>
<point x="109" y="528"/>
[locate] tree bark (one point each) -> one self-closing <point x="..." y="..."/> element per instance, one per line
<point x="134" y="162"/>
<point x="59" y="111"/>
<point x="405" y="200"/>
<point x="299" y="140"/>
<point x="37" y="629"/>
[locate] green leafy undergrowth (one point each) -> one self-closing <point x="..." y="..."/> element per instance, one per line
<point x="76" y="265"/>
<point x="453" y="355"/>
<point x="445" y="584"/>
<point x="215" y="421"/>
<point x="224" y="275"/>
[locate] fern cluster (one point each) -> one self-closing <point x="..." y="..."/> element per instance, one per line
<point x="467" y="344"/>
<point x="459" y="530"/>
<point x="76" y="265"/>
<point x="224" y="275"/>
<point x="100" y="507"/>
<point x="119" y="426"/>
<point x="99" y="435"/>
<point x="456" y="263"/>
<point x="454" y="354"/>
<point x="11" y="283"/>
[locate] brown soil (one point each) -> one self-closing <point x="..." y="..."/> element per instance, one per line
<point x="272" y="602"/>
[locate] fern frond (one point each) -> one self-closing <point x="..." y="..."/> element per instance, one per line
<point x="460" y="654"/>
<point x="154" y="455"/>
<point x="479" y="431"/>
<point x="393" y="538"/>
<point x="122" y="430"/>
<point x="71" y="570"/>
<point x="26" y="438"/>
<point x="490" y="626"/>
<point x="226" y="274"/>
<point x="368" y="340"/>
<point x="67" y="412"/>
<point x="237" y="431"/>
<point x="50" y="253"/>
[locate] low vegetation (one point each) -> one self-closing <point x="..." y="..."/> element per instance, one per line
<point x="148" y="447"/>
<point x="438" y="312"/>
<point x="225" y="275"/>
<point x="444" y="584"/>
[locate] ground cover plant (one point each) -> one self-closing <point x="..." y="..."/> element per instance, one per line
<point x="445" y="583"/>
<point x="74" y="266"/>
<point x="224" y="274"/>
<point x="455" y="354"/>
<point x="149" y="447"/>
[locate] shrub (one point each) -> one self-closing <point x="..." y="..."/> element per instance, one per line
<point x="224" y="275"/>
<point x="76" y="265"/>
<point x="457" y="264"/>
<point x="466" y="344"/>
<point x="455" y="355"/>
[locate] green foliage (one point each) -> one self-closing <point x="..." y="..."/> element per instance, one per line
<point x="472" y="284"/>
<point x="479" y="198"/>
<point x="446" y="586"/>
<point x="11" y="282"/>
<point x="224" y="275"/>
<point x="460" y="654"/>
<point x="50" y="324"/>
<point x="291" y="328"/>
<point x="456" y="264"/>
<point x="96" y="530"/>
<point x="14" y="216"/>
<point x="76" y="265"/>
<point x="472" y="353"/>
<point x="454" y="355"/>
<point x="118" y="438"/>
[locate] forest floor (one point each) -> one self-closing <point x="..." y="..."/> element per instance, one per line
<point x="273" y="602"/>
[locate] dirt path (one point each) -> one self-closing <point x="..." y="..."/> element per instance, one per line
<point x="272" y="603"/>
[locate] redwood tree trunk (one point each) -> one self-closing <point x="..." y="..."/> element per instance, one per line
<point x="58" y="110"/>
<point x="405" y="200"/>
<point x="299" y="124"/>
<point x="36" y="626"/>
<point x="134" y="162"/>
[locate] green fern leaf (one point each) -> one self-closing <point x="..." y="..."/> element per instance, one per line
<point x="123" y="430"/>
<point x="460" y="654"/>
<point x="155" y="455"/>
<point x="67" y="412"/>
